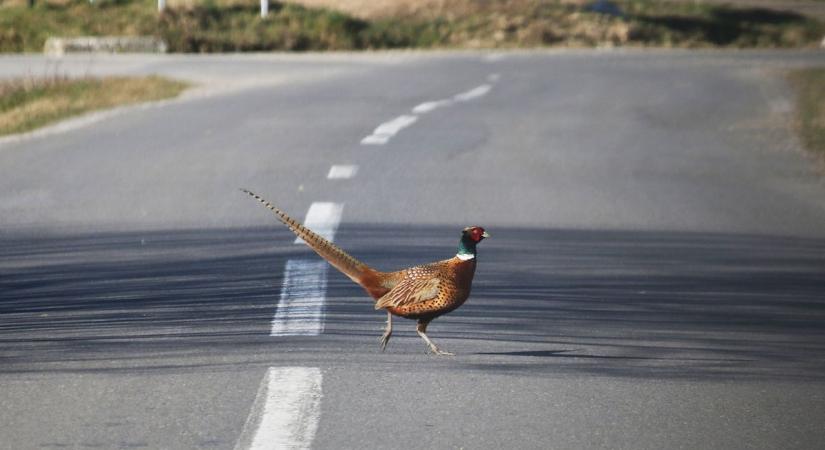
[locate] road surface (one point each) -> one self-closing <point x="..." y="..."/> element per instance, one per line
<point x="654" y="277"/>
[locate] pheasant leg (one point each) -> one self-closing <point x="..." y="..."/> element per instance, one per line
<point x="385" y="338"/>
<point x="421" y="328"/>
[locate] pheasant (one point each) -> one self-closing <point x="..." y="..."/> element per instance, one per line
<point x="421" y="293"/>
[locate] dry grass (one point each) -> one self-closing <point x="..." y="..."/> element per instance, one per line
<point x="810" y="107"/>
<point x="26" y="104"/>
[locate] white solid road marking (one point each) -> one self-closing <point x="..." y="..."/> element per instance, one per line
<point x="286" y="411"/>
<point x="300" y="310"/>
<point x="388" y="129"/>
<point x="342" y="172"/>
<point x="323" y="218"/>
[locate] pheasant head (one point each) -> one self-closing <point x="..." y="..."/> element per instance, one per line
<point x="470" y="237"/>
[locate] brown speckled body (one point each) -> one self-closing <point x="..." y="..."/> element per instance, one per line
<point x="454" y="277"/>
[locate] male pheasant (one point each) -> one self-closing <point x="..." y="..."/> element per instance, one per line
<point x="421" y="292"/>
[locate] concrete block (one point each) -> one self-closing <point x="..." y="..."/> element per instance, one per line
<point x="57" y="46"/>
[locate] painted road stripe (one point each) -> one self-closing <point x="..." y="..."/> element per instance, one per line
<point x="387" y="130"/>
<point x="337" y="172"/>
<point x="323" y="218"/>
<point x="395" y="125"/>
<point x="375" y="140"/>
<point x="286" y="411"/>
<point x="474" y="93"/>
<point x="426" y="107"/>
<point x="384" y="132"/>
<point x="300" y="310"/>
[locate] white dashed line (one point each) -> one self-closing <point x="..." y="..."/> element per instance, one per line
<point x="286" y="411"/>
<point x="388" y="129"/>
<point x="375" y="140"/>
<point x="395" y="125"/>
<point x="429" y="106"/>
<point x="300" y="310"/>
<point x="474" y="93"/>
<point x="337" y="172"/>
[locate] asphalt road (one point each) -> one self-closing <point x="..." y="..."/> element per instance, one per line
<point x="655" y="277"/>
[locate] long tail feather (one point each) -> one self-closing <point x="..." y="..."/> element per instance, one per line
<point x="339" y="259"/>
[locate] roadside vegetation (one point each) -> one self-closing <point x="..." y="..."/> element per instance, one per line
<point x="235" y="25"/>
<point x="26" y="104"/>
<point x="810" y="107"/>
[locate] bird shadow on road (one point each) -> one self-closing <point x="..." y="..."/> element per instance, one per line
<point x="658" y="304"/>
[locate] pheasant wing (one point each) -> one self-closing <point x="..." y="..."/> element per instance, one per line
<point x="410" y="291"/>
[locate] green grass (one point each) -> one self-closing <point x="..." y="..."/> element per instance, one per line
<point x="26" y="104"/>
<point x="229" y="25"/>
<point x="810" y="107"/>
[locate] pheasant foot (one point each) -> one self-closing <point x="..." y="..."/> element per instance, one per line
<point x="421" y="328"/>
<point x="439" y="352"/>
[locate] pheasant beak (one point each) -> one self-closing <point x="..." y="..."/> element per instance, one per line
<point x="485" y="234"/>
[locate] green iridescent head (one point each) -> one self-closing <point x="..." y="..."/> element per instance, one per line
<point x="470" y="237"/>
